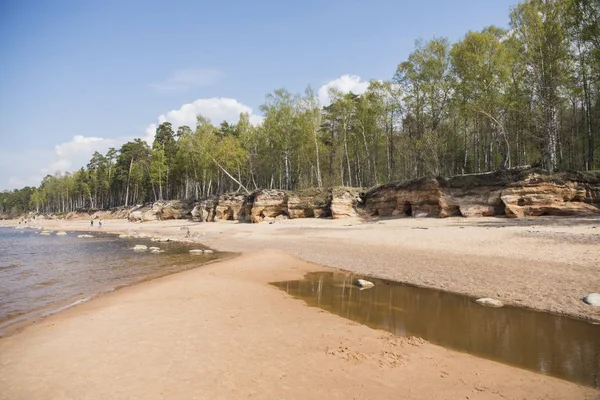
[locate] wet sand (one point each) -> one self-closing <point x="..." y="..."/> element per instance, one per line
<point x="221" y="331"/>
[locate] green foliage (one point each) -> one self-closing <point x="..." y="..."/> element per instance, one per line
<point x="497" y="98"/>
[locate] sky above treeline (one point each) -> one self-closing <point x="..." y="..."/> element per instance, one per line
<point x="82" y="76"/>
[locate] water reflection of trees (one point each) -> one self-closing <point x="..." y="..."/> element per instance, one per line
<point x="542" y="342"/>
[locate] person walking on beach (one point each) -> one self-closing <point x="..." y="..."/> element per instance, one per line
<point x="100" y="224"/>
<point x="91" y="221"/>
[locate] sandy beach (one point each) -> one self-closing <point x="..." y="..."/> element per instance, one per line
<point x="220" y="331"/>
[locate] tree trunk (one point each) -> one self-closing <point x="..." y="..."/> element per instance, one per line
<point x="588" y="118"/>
<point x="319" y="180"/>
<point x="286" y="180"/>
<point x="346" y="152"/>
<point x="550" y="136"/>
<point x="128" y="178"/>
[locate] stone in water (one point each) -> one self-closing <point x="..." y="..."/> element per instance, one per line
<point x="486" y="301"/>
<point x="364" y="284"/>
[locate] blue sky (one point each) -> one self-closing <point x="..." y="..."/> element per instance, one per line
<point x="79" y="76"/>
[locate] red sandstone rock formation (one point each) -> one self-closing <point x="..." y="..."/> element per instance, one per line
<point x="511" y="193"/>
<point x="514" y="193"/>
<point x="345" y="202"/>
<point x="229" y="207"/>
<point x="312" y="203"/>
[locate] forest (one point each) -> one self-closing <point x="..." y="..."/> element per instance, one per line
<point x="498" y="98"/>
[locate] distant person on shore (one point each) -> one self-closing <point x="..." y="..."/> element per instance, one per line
<point x="91" y="221"/>
<point x="100" y="224"/>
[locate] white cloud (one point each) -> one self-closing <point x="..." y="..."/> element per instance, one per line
<point x="22" y="168"/>
<point x="216" y="109"/>
<point x="29" y="167"/>
<point x="31" y="180"/>
<point x="77" y="152"/>
<point x="188" y="78"/>
<point x="345" y="84"/>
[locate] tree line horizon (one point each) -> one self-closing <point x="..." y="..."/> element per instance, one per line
<point x="498" y="98"/>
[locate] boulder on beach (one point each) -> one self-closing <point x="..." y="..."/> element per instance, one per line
<point x="196" y="251"/>
<point x="140" y="247"/>
<point x="61" y="233"/>
<point x="208" y="251"/>
<point x="45" y="233"/>
<point x="489" y="302"/>
<point x="84" y="236"/>
<point x="593" y="299"/>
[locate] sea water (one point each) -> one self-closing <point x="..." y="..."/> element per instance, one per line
<point x="41" y="274"/>
<point x="546" y="343"/>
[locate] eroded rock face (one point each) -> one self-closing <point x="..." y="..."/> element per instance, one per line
<point x="267" y="205"/>
<point x="205" y="210"/>
<point x="176" y="209"/>
<point x="228" y="207"/>
<point x="417" y="198"/>
<point x="313" y="203"/>
<point x="345" y="202"/>
<point x="483" y="201"/>
<point x="514" y="193"/>
<point x="160" y="210"/>
<point x="474" y="195"/>
<point x="136" y="215"/>
<point x="117" y="213"/>
<point x="546" y="198"/>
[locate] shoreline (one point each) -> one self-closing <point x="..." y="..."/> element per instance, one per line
<point x="551" y="264"/>
<point x="222" y="331"/>
<point x="14" y="325"/>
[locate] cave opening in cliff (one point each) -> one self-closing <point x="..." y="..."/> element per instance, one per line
<point x="407" y="209"/>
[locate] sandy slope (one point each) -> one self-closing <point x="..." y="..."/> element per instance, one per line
<point x="221" y="332"/>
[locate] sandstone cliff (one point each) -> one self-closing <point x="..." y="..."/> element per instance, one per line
<point x="512" y="193"/>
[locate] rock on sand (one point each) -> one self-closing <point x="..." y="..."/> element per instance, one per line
<point x="593" y="299"/>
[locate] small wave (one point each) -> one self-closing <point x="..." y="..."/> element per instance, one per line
<point x="27" y="273"/>
<point x="47" y="283"/>
<point x="9" y="266"/>
<point x="73" y="304"/>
